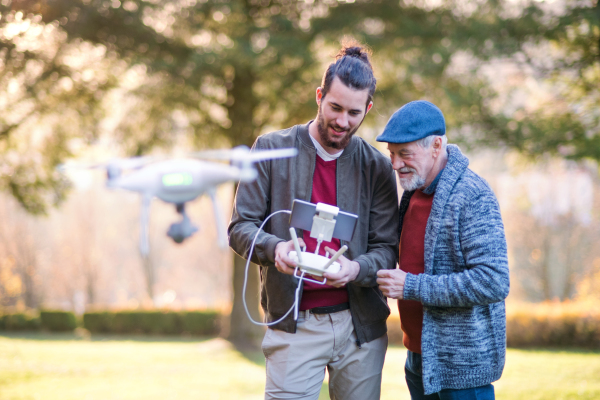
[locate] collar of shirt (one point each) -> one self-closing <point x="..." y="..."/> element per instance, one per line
<point x="325" y="156"/>
<point x="431" y="188"/>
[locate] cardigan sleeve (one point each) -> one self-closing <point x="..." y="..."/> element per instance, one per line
<point x="485" y="278"/>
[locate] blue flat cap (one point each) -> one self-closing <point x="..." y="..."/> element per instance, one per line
<point x="414" y="121"/>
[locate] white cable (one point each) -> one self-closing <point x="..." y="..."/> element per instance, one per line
<point x="294" y="306"/>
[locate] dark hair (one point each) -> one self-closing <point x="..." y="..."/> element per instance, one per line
<point x="353" y="67"/>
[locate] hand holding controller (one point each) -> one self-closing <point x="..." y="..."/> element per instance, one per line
<point x="283" y="262"/>
<point x="314" y="264"/>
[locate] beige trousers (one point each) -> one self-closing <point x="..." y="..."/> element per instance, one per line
<point x="296" y="362"/>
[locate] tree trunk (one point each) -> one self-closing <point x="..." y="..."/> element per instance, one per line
<point x="242" y="333"/>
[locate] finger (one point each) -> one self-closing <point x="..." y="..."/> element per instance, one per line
<point x="384" y="273"/>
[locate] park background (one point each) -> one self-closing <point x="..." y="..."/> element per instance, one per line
<point x="84" y="81"/>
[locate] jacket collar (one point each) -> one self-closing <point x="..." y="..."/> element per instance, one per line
<point x="455" y="167"/>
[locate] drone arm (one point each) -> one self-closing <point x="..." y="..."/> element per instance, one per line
<point x="221" y="234"/>
<point x="144" y="222"/>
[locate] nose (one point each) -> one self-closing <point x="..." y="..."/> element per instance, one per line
<point x="342" y="120"/>
<point x="397" y="163"/>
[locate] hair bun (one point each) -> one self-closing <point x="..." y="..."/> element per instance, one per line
<point x="354" y="51"/>
<point x="353" y="48"/>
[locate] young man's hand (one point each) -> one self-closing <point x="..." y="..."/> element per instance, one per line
<point x="348" y="272"/>
<point x="391" y="283"/>
<point x="283" y="263"/>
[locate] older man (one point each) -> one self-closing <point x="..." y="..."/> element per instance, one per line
<point x="453" y="275"/>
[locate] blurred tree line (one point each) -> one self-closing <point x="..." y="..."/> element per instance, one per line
<point x="221" y="72"/>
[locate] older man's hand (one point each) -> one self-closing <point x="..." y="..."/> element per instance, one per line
<point x="391" y="283"/>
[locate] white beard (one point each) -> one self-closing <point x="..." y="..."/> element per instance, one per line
<point x="414" y="182"/>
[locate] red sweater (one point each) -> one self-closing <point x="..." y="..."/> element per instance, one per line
<point x="412" y="260"/>
<point x="323" y="191"/>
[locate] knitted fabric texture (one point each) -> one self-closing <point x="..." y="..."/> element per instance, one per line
<point x="465" y="282"/>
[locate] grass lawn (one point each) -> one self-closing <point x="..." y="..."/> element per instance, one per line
<point x="53" y="366"/>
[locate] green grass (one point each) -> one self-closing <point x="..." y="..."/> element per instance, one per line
<point x="55" y="366"/>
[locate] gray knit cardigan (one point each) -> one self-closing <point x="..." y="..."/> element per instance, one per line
<point x="465" y="281"/>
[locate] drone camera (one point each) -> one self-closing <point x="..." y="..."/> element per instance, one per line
<point x="183" y="229"/>
<point x="112" y="172"/>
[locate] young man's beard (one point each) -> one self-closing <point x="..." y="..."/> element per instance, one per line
<point x="324" y="135"/>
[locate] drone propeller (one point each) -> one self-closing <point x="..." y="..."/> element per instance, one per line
<point x="243" y="154"/>
<point x="121" y="163"/>
<point x="113" y="167"/>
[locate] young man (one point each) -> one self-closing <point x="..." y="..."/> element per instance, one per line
<point x="341" y="325"/>
<point x="453" y="275"/>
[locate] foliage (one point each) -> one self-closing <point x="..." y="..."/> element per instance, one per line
<point x="49" y="97"/>
<point x="19" y="322"/>
<point x="58" y="321"/>
<point x="98" y="322"/>
<point x="153" y="322"/>
<point x="540" y="325"/>
<point x="201" y="322"/>
<point x="222" y="72"/>
<point x="568" y="324"/>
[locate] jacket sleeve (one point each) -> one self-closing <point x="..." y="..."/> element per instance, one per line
<point x="382" y="246"/>
<point x="485" y="279"/>
<point x="250" y="208"/>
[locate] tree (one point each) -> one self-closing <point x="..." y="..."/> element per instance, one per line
<point x="48" y="97"/>
<point x="222" y="72"/>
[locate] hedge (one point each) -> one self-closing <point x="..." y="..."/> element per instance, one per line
<point x="567" y="324"/>
<point x="553" y="325"/>
<point x="20" y="322"/>
<point x="153" y="322"/>
<point x="58" y="321"/>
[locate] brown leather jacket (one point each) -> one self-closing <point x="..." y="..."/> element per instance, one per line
<point x="366" y="186"/>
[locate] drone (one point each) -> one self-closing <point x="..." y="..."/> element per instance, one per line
<point x="179" y="181"/>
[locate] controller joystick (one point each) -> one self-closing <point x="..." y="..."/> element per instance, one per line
<point x="312" y="263"/>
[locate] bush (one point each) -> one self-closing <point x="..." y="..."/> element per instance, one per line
<point x="159" y="322"/>
<point x="201" y="322"/>
<point x="99" y="322"/>
<point x="566" y="324"/>
<point x="58" y="321"/>
<point x="20" y="322"/>
<point x="153" y="322"/>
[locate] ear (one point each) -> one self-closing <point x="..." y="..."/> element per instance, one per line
<point x="369" y="107"/>
<point x="319" y="96"/>
<point x="437" y="146"/>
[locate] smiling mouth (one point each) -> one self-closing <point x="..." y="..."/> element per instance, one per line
<point x="405" y="172"/>
<point x="337" y="132"/>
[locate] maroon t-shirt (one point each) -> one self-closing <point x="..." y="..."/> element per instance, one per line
<point x="323" y="191"/>
<point x="412" y="260"/>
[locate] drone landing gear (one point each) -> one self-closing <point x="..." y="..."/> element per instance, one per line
<point x="183" y="229"/>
